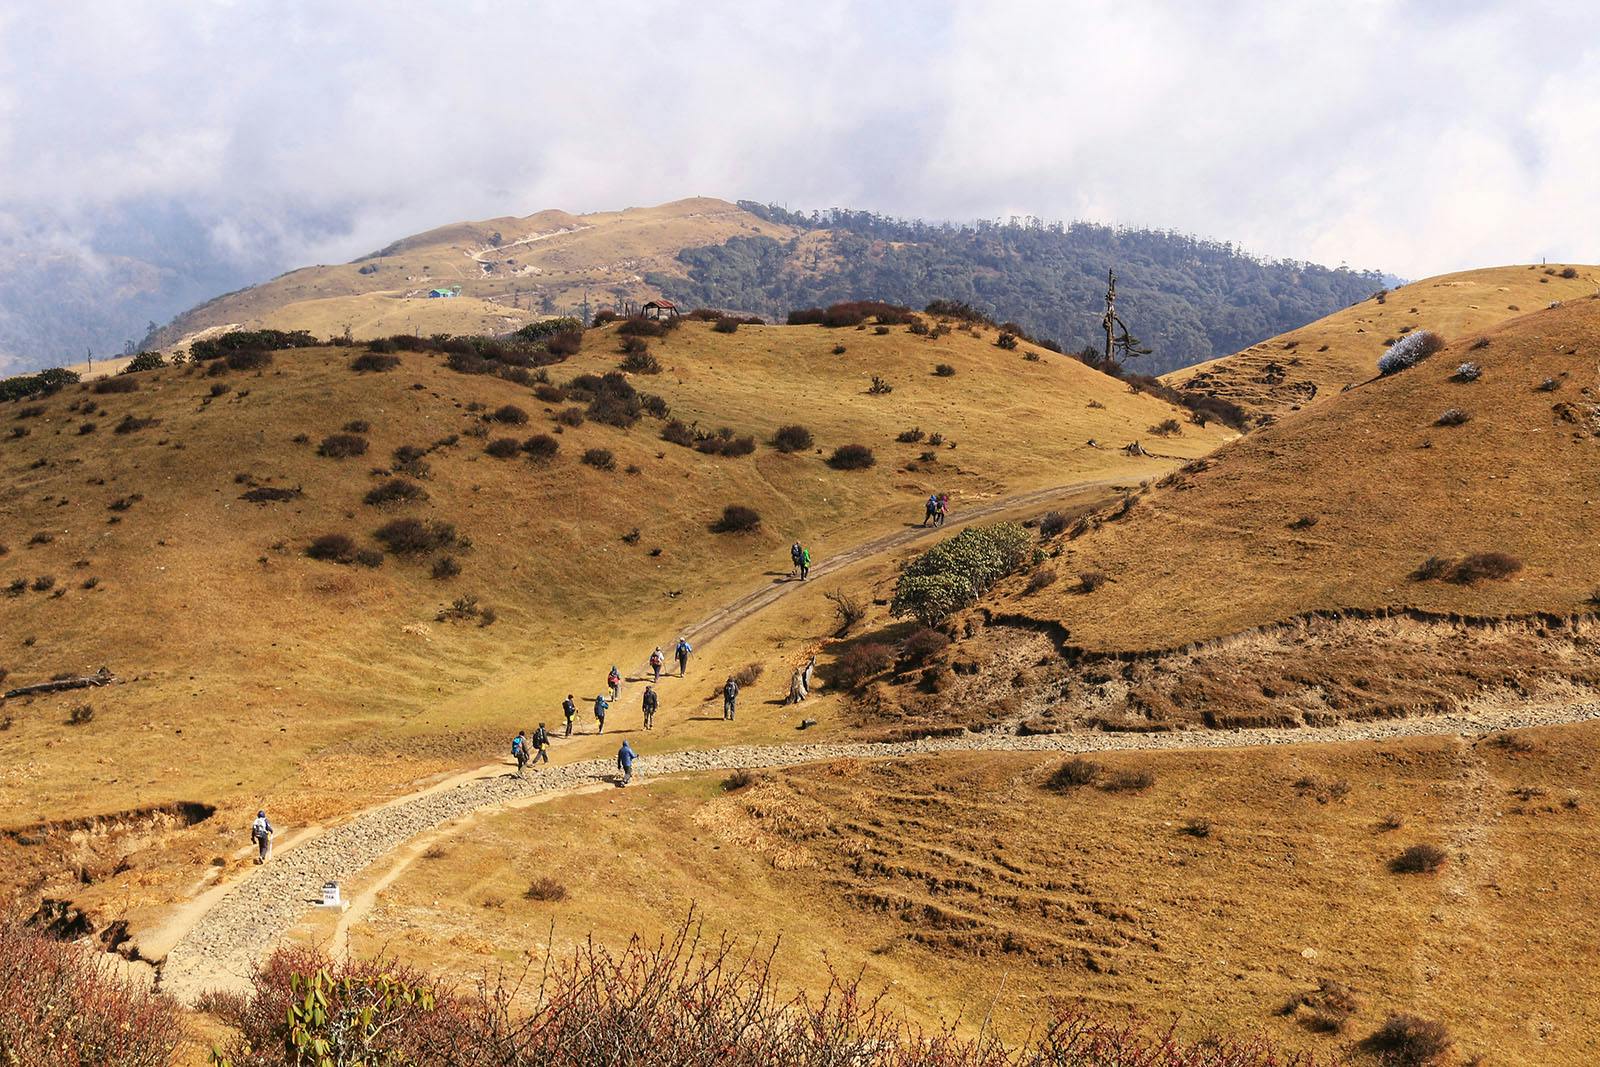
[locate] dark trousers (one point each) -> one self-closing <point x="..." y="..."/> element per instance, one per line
<point x="683" y="664"/>
<point x="541" y="755"/>
<point x="569" y="728"/>
<point x="727" y="707"/>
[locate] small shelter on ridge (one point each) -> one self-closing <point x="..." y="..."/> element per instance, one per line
<point x="660" y="309"/>
<point x="434" y="294"/>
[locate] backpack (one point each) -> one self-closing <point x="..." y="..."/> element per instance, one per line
<point x="655" y="658"/>
<point x="516" y="745"/>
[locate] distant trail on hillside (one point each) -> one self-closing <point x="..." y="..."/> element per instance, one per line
<point x="224" y="944"/>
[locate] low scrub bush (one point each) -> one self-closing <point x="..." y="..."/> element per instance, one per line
<point x="955" y="572"/>
<point x="546" y="889"/>
<point x="641" y="363"/>
<point x="678" y="432"/>
<point x="739" y="779"/>
<point x="736" y="518"/>
<point x="860" y="663"/>
<point x="1408" y="351"/>
<point x="133" y="424"/>
<point x="60" y="1005"/>
<point x="639" y="326"/>
<point x="1484" y="566"/>
<point x="1432" y="568"/>
<point x="616" y="402"/>
<point x="116" y="384"/>
<point x="395" y="491"/>
<point x="570" y="417"/>
<point x="1166" y="428"/>
<point x="600" y="459"/>
<point x="1197" y="828"/>
<point x="725" y="324"/>
<point x="748" y="675"/>
<point x="446" y="567"/>
<point x="922" y="645"/>
<point x="1053" y="524"/>
<point x="1418" y="859"/>
<point x="839" y="350"/>
<point x="1130" y="781"/>
<point x="1076" y="773"/>
<point x="357" y="426"/>
<point x="944" y="370"/>
<point x="80" y="715"/>
<point x="911" y="436"/>
<point x="374" y="362"/>
<point x="848" y="608"/>
<point x="879" y="386"/>
<point x="503" y="447"/>
<point x="550" y="393"/>
<point x="792" y="439"/>
<point x="342" y="446"/>
<point x="1453" y="417"/>
<point x="333" y="548"/>
<point x="249" y="359"/>
<point x="852" y="458"/>
<point x="510" y="415"/>
<point x="1040" y="581"/>
<point x="1410" y="1041"/>
<point x="415" y="537"/>
<point x="1089" y="581"/>
<point x="1008" y="341"/>
<point x="1468" y="372"/>
<point x="1569" y="272"/>
<point x="541" y="447"/>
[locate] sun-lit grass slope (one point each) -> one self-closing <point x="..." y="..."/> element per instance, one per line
<point x="1219" y="890"/>
<point x="510" y="270"/>
<point x="1336" y="508"/>
<point x="254" y="671"/>
<point x="1312" y="364"/>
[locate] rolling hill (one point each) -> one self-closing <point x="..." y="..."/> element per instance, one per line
<point x="158" y="523"/>
<point x="1287" y="373"/>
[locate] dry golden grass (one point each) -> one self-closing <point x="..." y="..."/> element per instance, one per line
<point x="550" y="259"/>
<point x="1335" y="508"/>
<point x="963" y="882"/>
<point x="255" y="674"/>
<point x="1312" y="364"/>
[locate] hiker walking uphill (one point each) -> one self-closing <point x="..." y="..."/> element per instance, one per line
<point x="625" y="758"/>
<point x="657" y="661"/>
<point x="261" y="832"/>
<point x="601" y="704"/>
<point x="519" y="750"/>
<point x="805" y="563"/>
<point x="541" y="745"/>
<point x="930" y="509"/>
<point x="570" y="710"/>
<point x="794" y="557"/>
<point x="681" y="650"/>
<point x="730" y="697"/>
<point x="614" y="680"/>
<point x="651" y="702"/>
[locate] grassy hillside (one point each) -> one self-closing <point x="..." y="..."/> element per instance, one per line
<point x="1351" y="561"/>
<point x="1311" y="364"/>
<point x="254" y="671"/>
<point x="1225" y="888"/>
<point x="510" y="271"/>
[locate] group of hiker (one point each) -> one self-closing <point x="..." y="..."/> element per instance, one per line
<point x="801" y="558"/>
<point x="937" y="507"/>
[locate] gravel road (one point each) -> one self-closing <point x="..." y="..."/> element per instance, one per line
<point x="226" y="942"/>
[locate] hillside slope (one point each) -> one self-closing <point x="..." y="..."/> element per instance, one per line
<point x="255" y="670"/>
<point x="509" y="271"/>
<point x="1287" y="578"/>
<point x="1311" y="364"/>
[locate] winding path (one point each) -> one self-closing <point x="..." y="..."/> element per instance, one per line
<point x="226" y="942"/>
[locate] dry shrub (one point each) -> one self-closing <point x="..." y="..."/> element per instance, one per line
<point x="944" y="370"/>
<point x="680" y="1000"/>
<point x="80" y="715"/>
<point x="1074" y="774"/>
<point x="547" y="889"/>
<point x="1453" y="417"/>
<point x="640" y="362"/>
<point x="1052" y="525"/>
<point x="133" y="423"/>
<point x="249" y="359"/>
<point x="510" y="414"/>
<point x="392" y="491"/>
<point x="116" y="384"/>
<point x="749" y="674"/>
<point x="333" y="548"/>
<point x="739" y="779"/>
<point x="550" y="393"/>
<point x="922" y="645"/>
<point x="1406" y="1040"/>
<point x="503" y="447"/>
<point x="679" y="433"/>
<point x="1481" y="566"/>
<point x="911" y="436"/>
<point x="541" y="447"/>
<point x="58" y="1005"/>
<point x="736" y="518"/>
<point x="852" y="458"/>
<point x="880" y="386"/>
<point x="1041" y="580"/>
<point x="600" y="459"/>
<point x="792" y="439"/>
<point x="1166" y="428"/>
<point x="445" y="568"/>
<point x="848" y="608"/>
<point x="1130" y="781"/>
<point x="1419" y="859"/>
<point x="342" y="446"/>
<point x="859" y="663"/>
<point x="570" y="417"/>
<point x="414" y="537"/>
<point x="1089" y="581"/>
<point x="373" y="362"/>
<point x="1198" y="828"/>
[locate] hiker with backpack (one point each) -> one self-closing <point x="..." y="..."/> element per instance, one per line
<point x="519" y="750"/>
<point x="600" y="706"/>
<point x="730" y="697"/>
<point x="794" y="557"/>
<point x="625" y="758"/>
<point x="541" y="745"/>
<point x="805" y="563"/>
<point x="614" y="680"/>
<point x="651" y="702"/>
<point x="942" y="510"/>
<point x="681" y="650"/>
<point x="657" y="661"/>
<point x="570" y="710"/>
<point x="930" y="510"/>
<point x="261" y="832"/>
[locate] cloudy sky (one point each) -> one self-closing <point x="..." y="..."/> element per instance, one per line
<point x="1408" y="137"/>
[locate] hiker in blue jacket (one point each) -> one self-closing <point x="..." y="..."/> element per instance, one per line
<point x="625" y="758"/>
<point x="519" y="750"/>
<point x="261" y="832"/>
<point x="600" y="706"/>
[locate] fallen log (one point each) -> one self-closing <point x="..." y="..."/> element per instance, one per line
<point x="103" y="676"/>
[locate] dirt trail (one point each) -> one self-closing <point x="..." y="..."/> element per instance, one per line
<point x="226" y="941"/>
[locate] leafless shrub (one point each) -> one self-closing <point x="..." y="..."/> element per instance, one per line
<point x="1410" y="1041"/>
<point x="342" y="446"/>
<point x="749" y="674"/>
<point x="736" y="518"/>
<point x="80" y="715"/>
<point x="1129" y="781"/>
<point x="1419" y="859"/>
<point x="848" y="608"/>
<point x="600" y="459"/>
<point x="1200" y="828"/>
<point x="1041" y="580"/>
<point x="1075" y="773"/>
<point x="546" y="889"/>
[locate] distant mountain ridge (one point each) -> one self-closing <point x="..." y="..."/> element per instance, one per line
<point x="1187" y="298"/>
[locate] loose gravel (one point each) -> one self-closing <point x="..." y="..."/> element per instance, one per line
<point x="228" y="941"/>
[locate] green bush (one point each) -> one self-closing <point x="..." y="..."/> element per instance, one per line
<point x="955" y="573"/>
